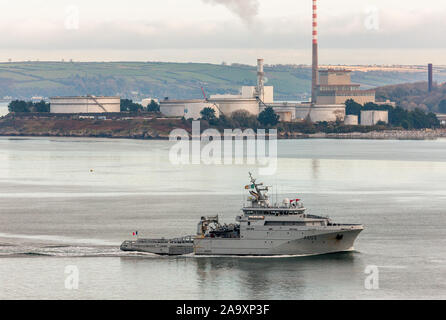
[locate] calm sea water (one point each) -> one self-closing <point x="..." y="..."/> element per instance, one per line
<point x="71" y="202"/>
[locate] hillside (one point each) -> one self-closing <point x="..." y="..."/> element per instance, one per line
<point x="415" y="95"/>
<point x="137" y="80"/>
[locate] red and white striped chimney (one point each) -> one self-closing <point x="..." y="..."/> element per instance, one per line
<point x="315" y="56"/>
<point x="315" y="21"/>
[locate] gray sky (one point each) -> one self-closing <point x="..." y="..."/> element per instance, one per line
<point x="351" y="31"/>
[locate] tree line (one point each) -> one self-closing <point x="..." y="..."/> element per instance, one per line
<point x="128" y="105"/>
<point x="28" y="106"/>
<point x="241" y="118"/>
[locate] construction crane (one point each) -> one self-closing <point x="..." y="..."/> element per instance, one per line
<point x="207" y="100"/>
<point x="204" y="93"/>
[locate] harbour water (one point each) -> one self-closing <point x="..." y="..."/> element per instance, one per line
<point x="71" y="202"/>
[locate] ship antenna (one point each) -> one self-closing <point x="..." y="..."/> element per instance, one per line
<point x="259" y="190"/>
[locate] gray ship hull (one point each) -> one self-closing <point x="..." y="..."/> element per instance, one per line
<point x="313" y="243"/>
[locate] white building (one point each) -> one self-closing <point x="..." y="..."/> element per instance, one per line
<point x="442" y="118"/>
<point x="222" y="104"/>
<point x="335" y="87"/>
<point x="89" y="104"/>
<point x="372" y="117"/>
<point x="320" y="113"/>
<point x="299" y="111"/>
<point x="250" y="99"/>
<point x="189" y="109"/>
<point x="147" y="101"/>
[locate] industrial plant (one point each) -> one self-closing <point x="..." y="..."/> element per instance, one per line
<point x="330" y="89"/>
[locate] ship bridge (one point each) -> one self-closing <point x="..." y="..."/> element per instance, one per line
<point x="273" y="211"/>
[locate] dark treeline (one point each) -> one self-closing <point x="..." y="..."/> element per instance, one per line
<point x="28" y="106"/>
<point x="241" y="119"/>
<point x="128" y="105"/>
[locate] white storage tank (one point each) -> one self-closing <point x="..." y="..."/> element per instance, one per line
<point x="88" y="104"/>
<point x="372" y="117"/>
<point x="320" y="113"/>
<point x="189" y="109"/>
<point x="229" y="105"/>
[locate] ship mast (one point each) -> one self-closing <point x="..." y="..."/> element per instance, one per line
<point x="261" y="191"/>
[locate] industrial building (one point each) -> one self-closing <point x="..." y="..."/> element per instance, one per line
<point x="249" y="99"/>
<point x="88" y="104"/>
<point x="330" y="90"/>
<point x="372" y="117"/>
<point x="335" y="87"/>
<point x="442" y="118"/>
<point x="289" y="111"/>
<point x="189" y="109"/>
<point x="222" y="104"/>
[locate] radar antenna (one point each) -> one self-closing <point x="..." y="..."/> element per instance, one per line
<point x="261" y="191"/>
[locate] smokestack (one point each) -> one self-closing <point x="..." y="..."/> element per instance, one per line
<point x="260" y="78"/>
<point x="430" y="68"/>
<point x="315" y="56"/>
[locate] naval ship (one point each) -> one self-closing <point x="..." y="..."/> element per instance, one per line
<point x="262" y="229"/>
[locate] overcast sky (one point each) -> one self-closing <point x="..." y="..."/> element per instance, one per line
<point x="351" y="31"/>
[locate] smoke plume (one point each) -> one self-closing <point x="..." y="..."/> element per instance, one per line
<point x="247" y="10"/>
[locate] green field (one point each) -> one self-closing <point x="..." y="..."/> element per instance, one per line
<point x="174" y="80"/>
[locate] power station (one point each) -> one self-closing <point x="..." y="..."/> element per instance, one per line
<point x="330" y="89"/>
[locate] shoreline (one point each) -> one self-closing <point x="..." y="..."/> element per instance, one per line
<point x="153" y="128"/>
<point x="409" y="135"/>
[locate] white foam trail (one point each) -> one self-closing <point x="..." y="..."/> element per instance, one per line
<point x="256" y="257"/>
<point x="59" y="239"/>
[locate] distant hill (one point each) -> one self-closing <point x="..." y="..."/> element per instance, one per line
<point x="415" y="95"/>
<point x="137" y="80"/>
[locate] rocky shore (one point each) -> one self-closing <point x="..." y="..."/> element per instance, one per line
<point x="160" y="128"/>
<point x="139" y="128"/>
<point x="386" y="135"/>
